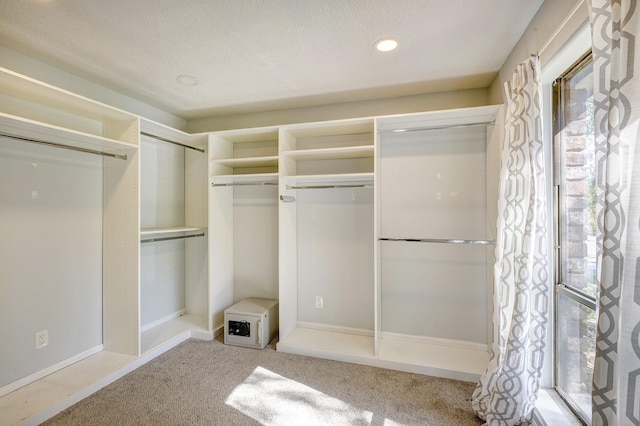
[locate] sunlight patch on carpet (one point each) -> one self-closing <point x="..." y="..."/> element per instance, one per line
<point x="274" y="400"/>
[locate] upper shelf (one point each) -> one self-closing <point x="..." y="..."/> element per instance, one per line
<point x="364" y="151"/>
<point x="160" y="132"/>
<point x="267" y="161"/>
<point x="164" y="231"/>
<point x="34" y="102"/>
<point x="484" y="115"/>
<point x="41" y="132"/>
<point x="339" y="179"/>
<point x="245" y="179"/>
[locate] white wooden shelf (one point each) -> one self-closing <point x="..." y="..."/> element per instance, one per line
<point x="153" y="130"/>
<point x="181" y="328"/>
<point x="162" y="231"/>
<point x="46" y="397"/>
<point x="415" y="357"/>
<point x="258" y="178"/>
<point x="22" y="87"/>
<point x="38" y="131"/>
<point x="365" y="151"/>
<point x="331" y="179"/>
<point x="267" y="161"/>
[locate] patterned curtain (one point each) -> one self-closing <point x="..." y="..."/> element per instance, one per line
<point x="506" y="393"/>
<point x="616" y="52"/>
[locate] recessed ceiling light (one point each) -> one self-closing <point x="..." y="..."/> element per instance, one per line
<point x="187" y="80"/>
<point x="386" y="44"/>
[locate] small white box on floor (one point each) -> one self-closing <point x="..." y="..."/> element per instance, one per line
<point x="251" y="323"/>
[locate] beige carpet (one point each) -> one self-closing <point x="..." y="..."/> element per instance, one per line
<point x="209" y="383"/>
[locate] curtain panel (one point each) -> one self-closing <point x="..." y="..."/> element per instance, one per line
<point x="507" y="391"/>
<point x="616" y="52"/>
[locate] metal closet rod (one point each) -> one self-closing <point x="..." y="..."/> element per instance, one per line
<point x="71" y="148"/>
<point x="441" y="241"/>
<point x="160" y="138"/>
<point x="359" y="185"/>
<point x="179" y="237"/>
<point x="449" y="126"/>
<point x="245" y="184"/>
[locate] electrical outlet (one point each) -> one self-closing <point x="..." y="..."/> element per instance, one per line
<point x="319" y="302"/>
<point x="42" y="339"/>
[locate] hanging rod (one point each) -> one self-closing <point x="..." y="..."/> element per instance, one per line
<point x="448" y="126"/>
<point x="441" y="241"/>
<point x="72" y="148"/>
<point x="179" y="237"/>
<point x="360" y="185"/>
<point x="245" y="184"/>
<point x="160" y="138"/>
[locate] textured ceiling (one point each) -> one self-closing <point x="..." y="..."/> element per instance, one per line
<point x="252" y="55"/>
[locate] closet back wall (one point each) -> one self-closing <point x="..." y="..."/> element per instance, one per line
<point x="255" y="242"/>
<point x="50" y="255"/>
<point x="162" y="189"/>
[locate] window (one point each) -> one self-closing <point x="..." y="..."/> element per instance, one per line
<point x="575" y="224"/>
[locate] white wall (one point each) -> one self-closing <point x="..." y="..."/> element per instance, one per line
<point x="541" y="30"/>
<point x="398" y="105"/>
<point x="39" y="70"/>
<point x="255" y="242"/>
<point x="50" y="255"/>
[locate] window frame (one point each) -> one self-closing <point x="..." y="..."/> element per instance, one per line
<point x="561" y="287"/>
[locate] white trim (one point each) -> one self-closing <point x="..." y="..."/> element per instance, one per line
<point x="436" y="341"/>
<point x="335" y="328"/>
<point x="162" y="320"/>
<point x="550" y="410"/>
<point x="49" y="370"/>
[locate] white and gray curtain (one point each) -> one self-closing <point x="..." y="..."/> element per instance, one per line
<point x="616" y="59"/>
<point x="506" y="393"/>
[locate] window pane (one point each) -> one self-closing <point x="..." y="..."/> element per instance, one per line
<point x="575" y="352"/>
<point x="576" y="166"/>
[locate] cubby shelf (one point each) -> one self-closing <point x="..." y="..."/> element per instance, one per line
<point x="330" y="179"/>
<point x="364" y="151"/>
<point x="268" y="161"/>
<point x="177" y="229"/>
<point x="249" y="178"/>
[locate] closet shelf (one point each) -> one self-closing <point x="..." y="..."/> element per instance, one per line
<point x="246" y="179"/>
<point x="38" y="131"/>
<point x="22" y="87"/>
<point x="147" y="232"/>
<point x="267" y="161"/>
<point x="330" y="179"/>
<point x="364" y="151"/>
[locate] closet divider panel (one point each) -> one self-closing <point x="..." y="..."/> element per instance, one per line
<point x="196" y="249"/>
<point x="121" y="254"/>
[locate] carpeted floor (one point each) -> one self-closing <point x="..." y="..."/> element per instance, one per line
<point x="209" y="383"/>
